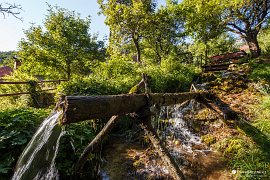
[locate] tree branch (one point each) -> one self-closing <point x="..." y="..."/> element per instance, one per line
<point x="12" y="9"/>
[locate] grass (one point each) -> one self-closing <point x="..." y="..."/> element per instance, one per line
<point x="248" y="153"/>
<point x="260" y="72"/>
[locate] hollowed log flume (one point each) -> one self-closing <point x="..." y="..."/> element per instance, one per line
<point x="80" y="108"/>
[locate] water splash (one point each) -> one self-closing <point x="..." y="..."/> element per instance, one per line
<point x="38" y="158"/>
<point x="174" y="127"/>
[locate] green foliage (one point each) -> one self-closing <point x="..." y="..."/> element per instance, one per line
<point x="202" y="18"/>
<point x="6" y="58"/>
<point x="115" y="76"/>
<point x="65" y="47"/>
<point x="171" y="76"/>
<point x="249" y="153"/>
<point x="263" y="116"/>
<point x="207" y="19"/>
<point x="72" y="144"/>
<point x="17" y="127"/>
<point x="261" y="72"/>
<point x="219" y="45"/>
<point x="208" y="139"/>
<point x="119" y="76"/>
<point x="165" y="35"/>
<point x="127" y="20"/>
<point x="264" y="40"/>
<point x="18" y="101"/>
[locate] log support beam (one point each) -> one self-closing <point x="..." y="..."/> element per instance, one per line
<point x="80" y="108"/>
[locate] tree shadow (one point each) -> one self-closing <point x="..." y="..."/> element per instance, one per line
<point x="257" y="136"/>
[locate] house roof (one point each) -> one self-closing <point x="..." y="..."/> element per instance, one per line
<point x="5" y="70"/>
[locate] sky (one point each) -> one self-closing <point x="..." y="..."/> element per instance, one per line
<point x="34" y="11"/>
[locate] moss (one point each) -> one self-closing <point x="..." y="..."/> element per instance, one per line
<point x="233" y="147"/>
<point x="208" y="139"/>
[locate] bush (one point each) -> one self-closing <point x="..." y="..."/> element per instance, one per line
<point x="119" y="76"/>
<point x="76" y="138"/>
<point x="17" y="127"/>
<point x="261" y="72"/>
<point x="171" y="76"/>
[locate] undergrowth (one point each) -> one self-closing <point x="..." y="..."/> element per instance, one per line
<point x="17" y="127"/>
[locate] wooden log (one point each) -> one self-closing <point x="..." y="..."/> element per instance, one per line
<point x="79" y="108"/>
<point x="162" y="151"/>
<point x="96" y="142"/>
<point x="101" y="135"/>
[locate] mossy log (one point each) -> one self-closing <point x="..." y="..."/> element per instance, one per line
<point x="80" y="108"/>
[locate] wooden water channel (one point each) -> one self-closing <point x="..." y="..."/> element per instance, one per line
<point x="137" y="106"/>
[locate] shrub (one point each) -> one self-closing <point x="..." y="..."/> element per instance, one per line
<point x="17" y="127"/>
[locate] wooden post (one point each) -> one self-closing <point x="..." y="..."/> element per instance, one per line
<point x="96" y="142"/>
<point x="35" y="95"/>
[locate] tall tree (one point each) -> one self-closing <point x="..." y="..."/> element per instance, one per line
<point x="243" y="17"/>
<point x="246" y="19"/>
<point x="165" y="32"/>
<point x="64" y="47"/>
<point x="127" y="20"/>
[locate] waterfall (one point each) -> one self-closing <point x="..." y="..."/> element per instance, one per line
<point x="38" y="158"/>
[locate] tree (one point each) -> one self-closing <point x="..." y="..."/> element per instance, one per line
<point x="165" y="32"/>
<point x="244" y="18"/>
<point x="202" y="21"/>
<point x="12" y="9"/>
<point x="64" y="48"/>
<point x="247" y="19"/>
<point x="127" y="20"/>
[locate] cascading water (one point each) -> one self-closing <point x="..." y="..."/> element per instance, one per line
<point x="172" y="123"/>
<point x="176" y="129"/>
<point x="38" y="158"/>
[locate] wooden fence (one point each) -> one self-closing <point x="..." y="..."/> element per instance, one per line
<point x="39" y="97"/>
<point x="30" y="84"/>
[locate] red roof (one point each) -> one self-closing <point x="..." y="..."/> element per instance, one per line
<point x="5" y="70"/>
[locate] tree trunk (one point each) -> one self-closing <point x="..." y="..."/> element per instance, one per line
<point x="68" y="68"/>
<point x="137" y="46"/>
<point x="79" y="108"/>
<point x="252" y="41"/>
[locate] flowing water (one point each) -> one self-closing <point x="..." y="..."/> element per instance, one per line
<point x="174" y="127"/>
<point x="177" y="131"/>
<point x="38" y="158"/>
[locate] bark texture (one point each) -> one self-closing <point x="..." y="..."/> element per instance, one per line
<point x="79" y="108"/>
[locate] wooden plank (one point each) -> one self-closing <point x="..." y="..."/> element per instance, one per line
<point x="26" y="82"/>
<point x="22" y="93"/>
<point x="13" y="94"/>
<point x="48" y="81"/>
<point x="10" y="82"/>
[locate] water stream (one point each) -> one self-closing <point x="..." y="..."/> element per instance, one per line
<point x="175" y="128"/>
<point x="38" y="158"/>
